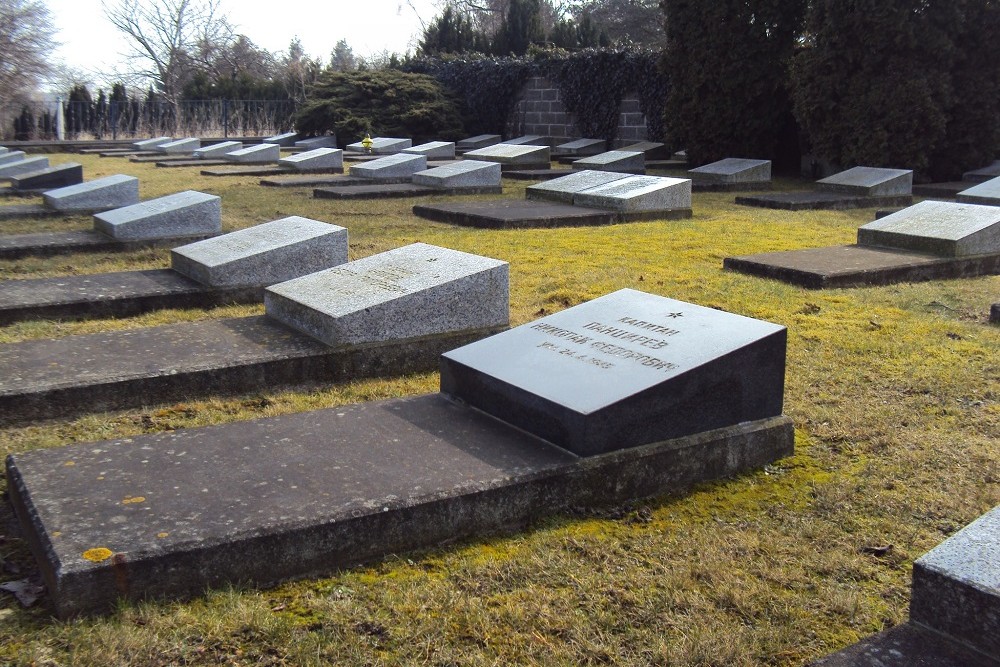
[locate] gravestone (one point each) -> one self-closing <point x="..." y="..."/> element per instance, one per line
<point x="12" y="156"/>
<point x="869" y="182"/>
<point x="25" y="166"/>
<point x="256" y="154"/>
<point x="434" y="150"/>
<point x="528" y="139"/>
<point x="564" y="188"/>
<point x="312" y="143"/>
<point x="390" y="167"/>
<point x="636" y="194"/>
<point x="286" y="139"/>
<point x="382" y="146"/>
<point x="478" y="141"/>
<point x="581" y="147"/>
<point x="179" y="146"/>
<point x="623" y="370"/>
<point x="184" y="213"/>
<point x="417" y="290"/>
<point x="653" y="150"/>
<point x="218" y="150"/>
<point x="150" y="144"/>
<point x="512" y="156"/>
<point x="3" y="149"/>
<point x="995" y="313"/>
<point x="943" y="229"/>
<point x="67" y="173"/>
<point x="263" y="254"/>
<point x="317" y="159"/>
<point x="466" y="174"/>
<point x="101" y="194"/>
<point x="732" y="172"/>
<point x="629" y="162"/>
<point x="986" y="193"/>
<point x="986" y="173"/>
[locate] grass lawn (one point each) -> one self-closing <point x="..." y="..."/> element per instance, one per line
<point x="895" y="394"/>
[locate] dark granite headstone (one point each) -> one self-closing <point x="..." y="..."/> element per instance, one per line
<point x="626" y="369"/>
<point x="61" y="175"/>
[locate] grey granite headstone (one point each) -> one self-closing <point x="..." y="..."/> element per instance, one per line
<point x="3" y="149"/>
<point x="312" y="143"/>
<point x="218" y="150"/>
<point x="12" y="156"/>
<point x="382" y="145"/>
<point x="25" y="166"/>
<point x="417" y="290"/>
<point x="651" y="149"/>
<point x="180" y="146"/>
<point x="286" y="139"/>
<point x="582" y="147"/>
<point x="564" y="188"/>
<point x="317" y="159"/>
<point x="463" y="174"/>
<point x="257" y="154"/>
<point x="185" y="213"/>
<point x="939" y="228"/>
<point x="399" y="165"/>
<point x="638" y="193"/>
<point x="986" y="173"/>
<point x="150" y="144"/>
<point x="511" y="154"/>
<point x="956" y="585"/>
<point x="623" y="370"/>
<point x="478" y="141"/>
<point x="101" y="194"/>
<point x="263" y="254"/>
<point x="621" y="161"/>
<point x="434" y="150"/>
<point x="986" y="193"/>
<point x="528" y="139"/>
<point x="733" y="170"/>
<point x="869" y="182"/>
<point x="67" y="173"/>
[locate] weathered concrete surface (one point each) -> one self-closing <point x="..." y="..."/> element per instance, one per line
<point x="536" y="174"/>
<point x="16" y="211"/>
<point x="515" y="214"/>
<point x="805" y="201"/>
<point x="102" y="194"/>
<point x="434" y="150"/>
<point x="396" y="190"/>
<point x="732" y="171"/>
<point x="183" y="213"/>
<point x="126" y="369"/>
<point x="61" y="175"/>
<point x="580" y="148"/>
<point x="390" y="167"/>
<point x="188" y="145"/>
<point x="566" y="187"/>
<point x="333" y="181"/>
<point x="945" y="229"/>
<point x="870" y="182"/>
<point x="463" y="175"/>
<point x="856" y="266"/>
<point x="284" y="139"/>
<point x="315" y="160"/>
<point x="218" y="150"/>
<point x="300" y="495"/>
<point x="995" y="313"/>
<point x="47" y="244"/>
<point x="946" y="190"/>
<point x="986" y="173"/>
<point x="478" y="141"/>
<point x="907" y="645"/>
<point x="25" y="166"/>
<point x="255" y="154"/>
<point x="628" y="162"/>
<point x="382" y="145"/>
<point x="986" y="193"/>
<point x="312" y="143"/>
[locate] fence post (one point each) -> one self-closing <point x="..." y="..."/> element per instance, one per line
<point x="60" y="125"/>
<point x="225" y="119"/>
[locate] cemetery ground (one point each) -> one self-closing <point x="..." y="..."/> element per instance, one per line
<point x="894" y="391"/>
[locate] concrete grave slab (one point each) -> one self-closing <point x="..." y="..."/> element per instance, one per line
<point x="995" y="313"/>
<point x="12" y="156"/>
<point x="434" y="150"/>
<point x="512" y="156"/>
<point x="312" y="143"/>
<point x="370" y="190"/>
<point x="185" y="213"/>
<point x="944" y="229"/>
<point x="255" y="154"/>
<point x="827" y="201"/>
<point x="536" y="174"/>
<point x="390" y="167"/>
<point x="48" y="244"/>
<point x="382" y="145"/>
<point x="637" y="194"/>
<point x="653" y="150"/>
<point x="516" y="214"/>
<point x="150" y="144"/>
<point x="476" y="175"/>
<point x="732" y="173"/>
<point x="943" y="190"/>
<point x="101" y="194"/>
<point x="986" y="193"/>
<point x="907" y="645"/>
<point x="986" y="173"/>
<point x="613" y="363"/>
<point x="478" y="141"/>
<point x="629" y="162"/>
<point x="3" y="149"/>
<point x="20" y="211"/>
<point x="870" y="182"/>
<point x="180" y="146"/>
<point x="332" y="181"/>
<point x="218" y="150"/>
<point x="581" y="147"/>
<point x="414" y="291"/>
<point x="284" y="139"/>
<point x="564" y="188"/>
<point x="61" y="175"/>
<point x="317" y="159"/>
<point x="25" y="166"/>
<point x="528" y="139"/>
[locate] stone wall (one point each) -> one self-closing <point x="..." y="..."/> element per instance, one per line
<point x="540" y="111"/>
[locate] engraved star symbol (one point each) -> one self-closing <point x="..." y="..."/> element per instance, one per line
<point x="675" y="315"/>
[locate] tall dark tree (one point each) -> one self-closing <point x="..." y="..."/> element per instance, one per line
<point x="452" y="32"/>
<point x="727" y="62"/>
<point x="873" y="83"/>
<point x="521" y="28"/>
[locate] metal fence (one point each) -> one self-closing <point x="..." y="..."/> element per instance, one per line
<point x="135" y="118"/>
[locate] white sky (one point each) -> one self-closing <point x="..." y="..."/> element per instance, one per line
<point x="92" y="46"/>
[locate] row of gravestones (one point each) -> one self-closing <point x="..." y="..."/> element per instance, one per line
<point x="547" y="383"/>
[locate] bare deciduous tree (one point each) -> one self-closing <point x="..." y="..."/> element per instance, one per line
<point x="26" y="44"/>
<point x="170" y="39"/>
